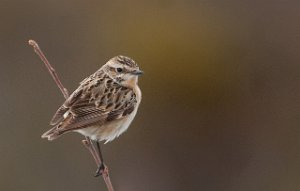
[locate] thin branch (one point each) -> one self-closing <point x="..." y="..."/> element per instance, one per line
<point x="89" y="145"/>
<point x="105" y="174"/>
<point x="51" y="70"/>
<point x="87" y="142"/>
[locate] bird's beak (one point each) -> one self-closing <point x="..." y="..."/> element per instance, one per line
<point x="137" y="72"/>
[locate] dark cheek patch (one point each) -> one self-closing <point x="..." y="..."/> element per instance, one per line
<point x="113" y="71"/>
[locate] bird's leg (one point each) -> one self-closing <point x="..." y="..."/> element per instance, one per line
<point x="101" y="167"/>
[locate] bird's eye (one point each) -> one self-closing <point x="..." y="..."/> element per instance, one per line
<point x="119" y="69"/>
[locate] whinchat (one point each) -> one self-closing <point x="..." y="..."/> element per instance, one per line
<point x="104" y="104"/>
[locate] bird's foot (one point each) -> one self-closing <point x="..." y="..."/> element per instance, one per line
<point x="100" y="170"/>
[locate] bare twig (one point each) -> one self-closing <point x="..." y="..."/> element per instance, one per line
<point x="51" y="70"/>
<point x="87" y="142"/>
<point x="105" y="174"/>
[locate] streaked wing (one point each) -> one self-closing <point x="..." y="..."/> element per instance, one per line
<point x="76" y="96"/>
<point x="94" y="104"/>
<point x="58" y="116"/>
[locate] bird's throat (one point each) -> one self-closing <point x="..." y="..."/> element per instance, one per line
<point x="130" y="83"/>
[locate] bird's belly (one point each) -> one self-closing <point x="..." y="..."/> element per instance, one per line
<point x="108" y="131"/>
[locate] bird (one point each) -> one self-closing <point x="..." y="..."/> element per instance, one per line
<point x="103" y="106"/>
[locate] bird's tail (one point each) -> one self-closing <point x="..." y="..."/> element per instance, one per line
<point x="52" y="134"/>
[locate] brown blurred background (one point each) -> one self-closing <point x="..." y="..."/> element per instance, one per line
<point x="220" y="108"/>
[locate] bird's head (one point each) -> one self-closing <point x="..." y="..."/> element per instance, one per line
<point x="123" y="70"/>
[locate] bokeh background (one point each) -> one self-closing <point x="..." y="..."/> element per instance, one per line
<point x="220" y="108"/>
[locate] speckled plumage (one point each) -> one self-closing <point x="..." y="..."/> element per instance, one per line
<point x="103" y="105"/>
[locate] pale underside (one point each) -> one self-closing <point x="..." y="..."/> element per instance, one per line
<point x="109" y="131"/>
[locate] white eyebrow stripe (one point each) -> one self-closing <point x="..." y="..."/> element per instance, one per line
<point x="115" y="65"/>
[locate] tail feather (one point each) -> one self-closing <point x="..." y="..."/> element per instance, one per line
<point x="52" y="134"/>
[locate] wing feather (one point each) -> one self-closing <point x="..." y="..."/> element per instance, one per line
<point x="90" y="104"/>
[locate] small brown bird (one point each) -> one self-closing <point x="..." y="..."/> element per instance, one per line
<point x="103" y="106"/>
